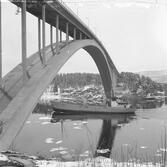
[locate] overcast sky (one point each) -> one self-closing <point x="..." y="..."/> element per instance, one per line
<point x="135" y="35"/>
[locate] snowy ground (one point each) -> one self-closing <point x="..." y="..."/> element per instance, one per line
<point x="89" y="162"/>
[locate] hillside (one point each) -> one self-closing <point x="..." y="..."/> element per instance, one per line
<point x="127" y="81"/>
<point x="158" y="76"/>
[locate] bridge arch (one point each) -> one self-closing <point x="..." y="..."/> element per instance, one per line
<point x="99" y="57"/>
<point x="18" y="110"/>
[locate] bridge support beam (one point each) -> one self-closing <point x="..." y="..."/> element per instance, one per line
<point x="24" y="41"/>
<point x="0" y="45"/>
<point x="80" y="35"/>
<point x="57" y="33"/>
<point x="43" y="33"/>
<point x="39" y="39"/>
<point x="60" y="36"/>
<point x="67" y="33"/>
<point x="51" y="38"/>
<point x="75" y="33"/>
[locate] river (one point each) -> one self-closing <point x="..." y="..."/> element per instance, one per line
<point x="140" y="137"/>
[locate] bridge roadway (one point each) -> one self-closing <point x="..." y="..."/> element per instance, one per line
<point x="21" y="88"/>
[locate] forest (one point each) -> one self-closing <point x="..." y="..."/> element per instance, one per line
<point x="127" y="80"/>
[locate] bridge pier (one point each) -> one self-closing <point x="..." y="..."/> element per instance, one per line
<point x="67" y="33"/>
<point x="60" y="36"/>
<point x="51" y="38"/>
<point x="43" y="32"/>
<point x="80" y="35"/>
<point x="39" y="39"/>
<point x="24" y="41"/>
<point x="74" y="33"/>
<point x="57" y="33"/>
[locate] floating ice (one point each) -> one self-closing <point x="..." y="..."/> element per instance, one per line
<point x="58" y="149"/>
<point x="143" y="147"/>
<point x="163" y="149"/>
<point x="49" y="140"/>
<point x="77" y="127"/>
<point x="63" y="152"/>
<point x="120" y="125"/>
<point x="77" y="124"/>
<point x="86" y="152"/>
<point x="58" y="142"/>
<point x="44" y="118"/>
<point x="84" y="122"/>
<point x="103" y="151"/>
<point x="28" y="122"/>
<point x="45" y="123"/>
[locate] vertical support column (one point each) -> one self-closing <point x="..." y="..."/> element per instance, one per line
<point x="39" y="39"/>
<point x="67" y="33"/>
<point x="80" y="35"/>
<point x="24" y="41"/>
<point x="57" y="33"/>
<point x="0" y="44"/>
<point x="74" y="33"/>
<point x="43" y="32"/>
<point x="60" y="36"/>
<point x="51" y="37"/>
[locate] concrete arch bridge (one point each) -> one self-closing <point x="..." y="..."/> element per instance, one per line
<point x="21" y="88"/>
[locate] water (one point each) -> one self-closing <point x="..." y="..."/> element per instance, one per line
<point x="139" y="137"/>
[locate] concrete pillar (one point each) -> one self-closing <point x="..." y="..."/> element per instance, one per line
<point x="75" y="33"/>
<point x="0" y="45"/>
<point x="51" y="37"/>
<point x="67" y="33"/>
<point x="57" y="33"/>
<point x="24" y="41"/>
<point x="39" y="39"/>
<point x="80" y="35"/>
<point x="43" y="33"/>
<point x="60" y="36"/>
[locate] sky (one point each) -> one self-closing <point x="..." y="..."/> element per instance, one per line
<point x="134" y="34"/>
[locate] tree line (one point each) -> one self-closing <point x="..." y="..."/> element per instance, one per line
<point x="135" y="82"/>
<point x="127" y="80"/>
<point x="77" y="80"/>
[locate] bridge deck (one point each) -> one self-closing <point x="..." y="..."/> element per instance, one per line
<point x="54" y="8"/>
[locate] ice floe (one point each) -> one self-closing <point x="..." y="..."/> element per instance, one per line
<point x="103" y="151"/>
<point x="77" y="127"/>
<point x="63" y="152"/>
<point x="84" y="122"/>
<point x="58" y="142"/>
<point x="44" y="118"/>
<point x="163" y="149"/>
<point x="58" y="149"/>
<point x="45" y="123"/>
<point x="49" y="140"/>
<point x="143" y="147"/>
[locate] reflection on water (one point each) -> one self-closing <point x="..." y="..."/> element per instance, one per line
<point x="73" y="137"/>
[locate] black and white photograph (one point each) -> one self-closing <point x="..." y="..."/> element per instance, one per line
<point x="83" y="83"/>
